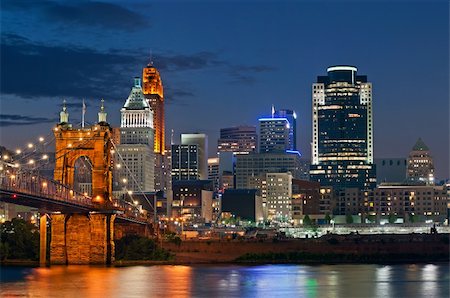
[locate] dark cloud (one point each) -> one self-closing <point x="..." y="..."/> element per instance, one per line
<point x="177" y="96"/>
<point x="20" y="120"/>
<point x="84" y="13"/>
<point x="32" y="70"/>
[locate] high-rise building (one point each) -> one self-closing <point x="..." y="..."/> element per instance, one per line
<point x="420" y="164"/>
<point x="185" y="162"/>
<point x="152" y="88"/>
<point x="273" y="135"/>
<point x="342" y="146"/>
<point x="390" y="170"/>
<point x="277" y="193"/>
<point x="201" y="140"/>
<point x="239" y="139"/>
<point x="134" y="158"/>
<point x="213" y="172"/>
<point x="291" y="116"/>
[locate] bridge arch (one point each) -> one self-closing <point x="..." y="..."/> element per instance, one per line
<point x="93" y="143"/>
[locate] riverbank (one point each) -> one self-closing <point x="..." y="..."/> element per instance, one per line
<point x="329" y="249"/>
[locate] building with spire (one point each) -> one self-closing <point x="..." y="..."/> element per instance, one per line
<point x="420" y="164"/>
<point x="153" y="91"/>
<point x="134" y="159"/>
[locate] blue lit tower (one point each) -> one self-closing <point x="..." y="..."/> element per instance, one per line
<point x="342" y="147"/>
<point x="291" y="116"/>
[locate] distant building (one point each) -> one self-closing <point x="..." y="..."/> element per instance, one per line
<point x="239" y="139"/>
<point x="213" y="172"/>
<point x="342" y="147"/>
<point x="243" y="203"/>
<point x="134" y="159"/>
<point x="184" y="162"/>
<point x="277" y="193"/>
<point x="201" y="140"/>
<point x="249" y="167"/>
<point x="420" y="164"/>
<point x="412" y="203"/>
<point x="274" y="135"/>
<point x="193" y="200"/>
<point x="390" y="170"/>
<point x="291" y="116"/>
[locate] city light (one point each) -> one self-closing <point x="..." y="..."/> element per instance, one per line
<point x="18" y="151"/>
<point x="45" y="156"/>
<point x="41" y="139"/>
<point x="30" y="145"/>
<point x="31" y="161"/>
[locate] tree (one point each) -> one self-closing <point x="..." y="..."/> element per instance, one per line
<point x="327" y="218"/>
<point x="349" y="219"/>
<point x="307" y="220"/>
<point x="392" y="218"/>
<point x="20" y="240"/>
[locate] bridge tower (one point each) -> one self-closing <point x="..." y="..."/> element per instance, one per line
<point x="83" y="238"/>
<point x="91" y="142"/>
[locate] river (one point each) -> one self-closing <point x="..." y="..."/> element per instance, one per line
<point x="414" y="280"/>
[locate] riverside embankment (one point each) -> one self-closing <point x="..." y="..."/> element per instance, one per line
<point x="384" y="248"/>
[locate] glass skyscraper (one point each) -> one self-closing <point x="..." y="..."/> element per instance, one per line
<point x="342" y="147"/>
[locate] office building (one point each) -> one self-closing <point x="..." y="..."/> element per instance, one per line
<point x="184" y="162"/>
<point x="134" y="159"/>
<point x="239" y="139"/>
<point x="420" y="164"/>
<point x="291" y="116"/>
<point x="193" y="200"/>
<point x="201" y="140"/>
<point x="249" y="167"/>
<point x="213" y="172"/>
<point x="274" y="135"/>
<point x="342" y="146"/>
<point x="276" y="192"/>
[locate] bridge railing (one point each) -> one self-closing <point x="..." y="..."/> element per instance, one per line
<point x="43" y="187"/>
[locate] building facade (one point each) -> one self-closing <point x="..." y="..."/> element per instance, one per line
<point x="201" y="140"/>
<point x="390" y="170"/>
<point x="193" y="200"/>
<point x="274" y="135"/>
<point x="184" y="162"/>
<point x="291" y="116"/>
<point x="420" y="164"/>
<point x="342" y="147"/>
<point x="250" y="167"/>
<point x="239" y="139"/>
<point x="134" y="159"/>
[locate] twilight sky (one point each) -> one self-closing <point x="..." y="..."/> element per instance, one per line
<point x="226" y="63"/>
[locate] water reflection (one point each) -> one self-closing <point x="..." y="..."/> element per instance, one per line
<point x="228" y="281"/>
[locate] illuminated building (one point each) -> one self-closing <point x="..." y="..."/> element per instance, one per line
<point x="152" y="88"/>
<point x="274" y="134"/>
<point x="291" y="116"/>
<point x="276" y="192"/>
<point x="238" y="139"/>
<point x="213" y="171"/>
<point x="134" y="158"/>
<point x="184" y="162"/>
<point x="243" y="203"/>
<point x="192" y="200"/>
<point x="420" y="164"/>
<point x="342" y="146"/>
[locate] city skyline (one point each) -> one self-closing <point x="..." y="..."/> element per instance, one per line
<point x="244" y="85"/>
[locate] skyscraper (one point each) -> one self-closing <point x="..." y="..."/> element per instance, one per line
<point x="420" y="164"/>
<point x="291" y="116"/>
<point x="273" y="135"/>
<point x="184" y="162"/>
<point x="201" y="140"/>
<point x="239" y="139"/>
<point x="154" y="93"/>
<point x="134" y="157"/>
<point x="152" y="88"/>
<point x="342" y="147"/>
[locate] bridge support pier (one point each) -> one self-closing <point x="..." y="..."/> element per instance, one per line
<point x="43" y="240"/>
<point x="82" y="238"/>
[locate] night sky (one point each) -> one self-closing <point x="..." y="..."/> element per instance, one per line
<point x="226" y="63"/>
